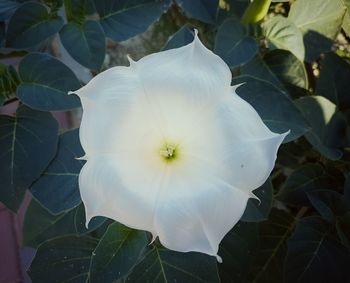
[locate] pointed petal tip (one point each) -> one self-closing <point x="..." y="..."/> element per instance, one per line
<point x="131" y="61"/>
<point x="195" y="33"/>
<point x="219" y="259"/>
<point x="154" y="237"/>
<point x="87" y="221"/>
<point x="251" y="195"/>
<point x="234" y="87"/>
<point x="84" y="157"/>
<point x="72" y="92"/>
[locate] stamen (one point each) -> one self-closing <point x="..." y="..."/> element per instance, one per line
<point x="168" y="151"/>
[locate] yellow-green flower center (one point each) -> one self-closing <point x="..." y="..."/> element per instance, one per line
<point x="169" y="152"/>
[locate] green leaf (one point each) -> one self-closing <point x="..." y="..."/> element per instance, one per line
<point x="259" y="210"/>
<point x="31" y="24"/>
<point x="9" y="81"/>
<point x="116" y="16"/>
<point x="259" y="69"/>
<point x="75" y="10"/>
<point x="85" y="43"/>
<point x="63" y="259"/>
<point x="233" y="44"/>
<point x="320" y="22"/>
<point x="117" y="252"/>
<point x="237" y="250"/>
<point x="333" y="82"/>
<point x="283" y="34"/>
<point x="268" y="266"/>
<point x="162" y="265"/>
<point x="40" y="225"/>
<point x="203" y="10"/>
<point x="260" y="94"/>
<point x="182" y="37"/>
<point x="346" y="20"/>
<point x="289" y="70"/>
<point x="329" y="204"/>
<point x="7" y="8"/>
<point x="60" y="179"/>
<point x="28" y="143"/>
<point x="307" y="178"/>
<point x="313" y="256"/>
<point x="327" y="126"/>
<point x="290" y="154"/>
<point x="42" y="88"/>
<point x="80" y="221"/>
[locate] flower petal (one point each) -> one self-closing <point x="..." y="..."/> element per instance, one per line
<point x="195" y="209"/>
<point x="190" y="76"/>
<point x="114" y="107"/>
<point x="122" y="188"/>
<point x="235" y="140"/>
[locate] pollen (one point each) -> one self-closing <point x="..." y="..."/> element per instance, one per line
<point x="169" y="152"/>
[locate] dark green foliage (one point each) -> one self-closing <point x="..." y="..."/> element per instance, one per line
<point x="314" y="255"/>
<point x="31" y="24"/>
<point x="63" y="259"/>
<point x="22" y="137"/>
<point x="61" y="177"/>
<point x="85" y="43"/>
<point x="116" y="16"/>
<point x="295" y="66"/>
<point x="162" y="265"/>
<point x="46" y="82"/>
<point x="233" y="43"/>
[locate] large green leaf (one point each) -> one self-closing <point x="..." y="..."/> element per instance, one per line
<point x="259" y="69"/>
<point x="40" y="225"/>
<point x="333" y="81"/>
<point x="57" y="189"/>
<point x="31" y="24"/>
<point x="327" y="126"/>
<point x="80" y="221"/>
<point x="328" y="203"/>
<point x="268" y="266"/>
<point x="117" y="252"/>
<point x="259" y="210"/>
<point x="85" y="43"/>
<point x="63" y="259"/>
<point x="182" y="37"/>
<point x="162" y="265"/>
<point x="7" y="8"/>
<point x="314" y="256"/>
<point x="320" y="21"/>
<point x="283" y="34"/>
<point x="46" y="82"/>
<point x="116" y="16"/>
<point x="28" y="142"/>
<point x="289" y="70"/>
<point x="261" y="94"/>
<point x="307" y="178"/>
<point x="238" y="250"/>
<point x="233" y="44"/>
<point x="203" y="10"/>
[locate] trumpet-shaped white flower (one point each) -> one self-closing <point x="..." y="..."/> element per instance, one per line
<point x="171" y="148"/>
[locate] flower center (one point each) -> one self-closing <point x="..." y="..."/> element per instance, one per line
<point x="169" y="152"/>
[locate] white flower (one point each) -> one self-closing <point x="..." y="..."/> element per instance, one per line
<point x="172" y="149"/>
